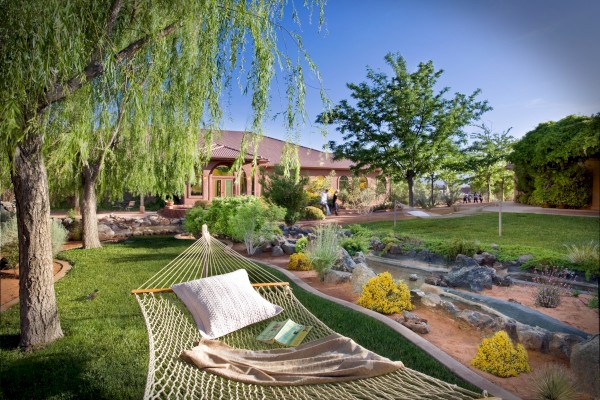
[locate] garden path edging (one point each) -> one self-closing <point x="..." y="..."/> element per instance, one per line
<point x="450" y="363"/>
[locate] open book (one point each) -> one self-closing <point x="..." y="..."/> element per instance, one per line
<point x="287" y="333"/>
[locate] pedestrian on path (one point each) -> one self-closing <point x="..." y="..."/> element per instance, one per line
<point x="324" y="204"/>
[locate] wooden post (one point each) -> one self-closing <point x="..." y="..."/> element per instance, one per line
<point x="142" y="207"/>
<point x="500" y="209"/>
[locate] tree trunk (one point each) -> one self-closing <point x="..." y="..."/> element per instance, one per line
<point x="431" y="203"/>
<point x="89" y="220"/>
<point x="489" y="189"/>
<point x="411" y="196"/>
<point x="39" y="311"/>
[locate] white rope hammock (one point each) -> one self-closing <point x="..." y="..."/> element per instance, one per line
<point x="172" y="330"/>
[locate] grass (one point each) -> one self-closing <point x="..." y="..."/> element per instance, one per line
<point x="543" y="236"/>
<point x="104" y="353"/>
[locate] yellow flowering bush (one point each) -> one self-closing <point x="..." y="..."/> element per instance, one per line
<point x="299" y="262"/>
<point x="384" y="295"/>
<point x="498" y="356"/>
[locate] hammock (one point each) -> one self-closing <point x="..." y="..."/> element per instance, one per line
<point x="172" y="330"/>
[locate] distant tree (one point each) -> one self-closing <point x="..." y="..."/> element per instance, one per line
<point x="399" y="123"/>
<point x="487" y="157"/>
<point x="285" y="191"/>
<point x="176" y="57"/>
<point x="548" y="162"/>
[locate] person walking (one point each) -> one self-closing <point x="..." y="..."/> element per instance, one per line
<point x="334" y="202"/>
<point x="324" y="204"/>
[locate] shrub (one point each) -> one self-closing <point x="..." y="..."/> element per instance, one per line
<point x="593" y="302"/>
<point x="216" y="216"/>
<point x="462" y="246"/>
<point x="9" y="242"/>
<point x="355" y="244"/>
<point x="313" y="213"/>
<point x="553" y="382"/>
<point x="498" y="356"/>
<point x="587" y="255"/>
<point x="384" y="295"/>
<point x="551" y="287"/>
<point x="286" y="191"/>
<point x="301" y="244"/>
<point x="254" y="222"/>
<point x="299" y="262"/>
<point x="323" y="250"/>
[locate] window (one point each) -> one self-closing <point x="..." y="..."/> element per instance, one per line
<point x="343" y="182"/>
<point x="243" y="183"/>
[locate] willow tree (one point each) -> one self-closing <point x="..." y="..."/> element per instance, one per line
<point x="174" y="58"/>
<point x="400" y="123"/>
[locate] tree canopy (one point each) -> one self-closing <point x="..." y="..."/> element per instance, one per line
<point x="400" y="123"/>
<point x="75" y="73"/>
<point x="548" y="162"/>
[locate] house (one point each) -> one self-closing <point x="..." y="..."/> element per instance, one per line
<point x="219" y="181"/>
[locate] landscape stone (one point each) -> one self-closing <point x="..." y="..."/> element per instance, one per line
<point x="485" y="258"/>
<point x="418" y="327"/>
<point x="360" y="276"/>
<point x="533" y="337"/>
<point x="465" y="261"/>
<point x="474" y="278"/>
<point x="337" y="277"/>
<point x="277" y="251"/>
<point x="476" y="319"/>
<point x="431" y="300"/>
<point x="413" y="277"/>
<point x="359" y="257"/>
<point x="395" y="249"/>
<point x="585" y="366"/>
<point x="410" y="316"/>
<point x="344" y="261"/>
<point x="288" y="248"/>
<point x="105" y="233"/>
<point x="449" y="307"/>
<point x="561" y="344"/>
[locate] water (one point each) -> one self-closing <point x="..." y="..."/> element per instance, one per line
<point x="403" y="272"/>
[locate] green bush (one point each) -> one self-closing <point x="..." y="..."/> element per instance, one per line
<point x="586" y="256"/>
<point x="286" y="191"/>
<point x="254" y="222"/>
<point x="355" y="244"/>
<point x="461" y="246"/>
<point x="9" y="242"/>
<point x="313" y="213"/>
<point x="301" y="244"/>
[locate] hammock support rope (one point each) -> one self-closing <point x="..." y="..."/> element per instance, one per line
<point x="172" y="330"/>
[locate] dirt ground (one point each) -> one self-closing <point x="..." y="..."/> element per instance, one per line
<point x="460" y="340"/>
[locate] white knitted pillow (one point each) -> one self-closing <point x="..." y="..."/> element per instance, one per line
<point x="224" y="303"/>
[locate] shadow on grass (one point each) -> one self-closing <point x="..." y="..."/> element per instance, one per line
<point x="9" y="342"/>
<point x="43" y="375"/>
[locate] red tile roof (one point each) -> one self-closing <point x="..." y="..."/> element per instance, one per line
<point x="271" y="149"/>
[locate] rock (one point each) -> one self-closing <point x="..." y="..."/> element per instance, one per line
<point x="561" y="344"/>
<point x="277" y="251"/>
<point x="473" y="278"/>
<point x="413" y="277"/>
<point x="476" y="319"/>
<point x="257" y="251"/>
<point x="465" y="261"/>
<point x="485" y="258"/>
<point x="105" y="233"/>
<point x="416" y="295"/>
<point x="359" y="257"/>
<point x="585" y="366"/>
<point x="344" y="262"/>
<point x="377" y="245"/>
<point x="337" y="277"/>
<point x="533" y="337"/>
<point x="418" y="327"/>
<point x="435" y="280"/>
<point x="410" y="316"/>
<point x="288" y="248"/>
<point x="495" y="246"/>
<point x="430" y="257"/>
<point x="449" y="307"/>
<point x="431" y="300"/>
<point x="502" y="280"/>
<point x="360" y="276"/>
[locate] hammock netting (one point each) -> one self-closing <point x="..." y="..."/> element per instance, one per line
<point x="171" y="330"/>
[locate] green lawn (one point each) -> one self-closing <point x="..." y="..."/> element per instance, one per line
<point x="104" y="354"/>
<point x="543" y="236"/>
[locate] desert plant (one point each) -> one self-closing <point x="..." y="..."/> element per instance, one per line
<point x="301" y="244"/>
<point x="551" y="287"/>
<point x="323" y="250"/>
<point x="498" y="356"/>
<point x="313" y="213"/>
<point x="593" y="302"/>
<point x="384" y="295"/>
<point x="587" y="255"/>
<point x="299" y="262"/>
<point x="355" y="244"/>
<point x="553" y="382"/>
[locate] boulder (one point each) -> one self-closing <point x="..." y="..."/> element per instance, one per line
<point x="418" y="327"/>
<point x="344" y="261"/>
<point x="449" y="307"/>
<point x="288" y="248"/>
<point x="430" y="257"/>
<point x="476" y="319"/>
<point x="410" y="316"/>
<point x="533" y="337"/>
<point x="277" y="251"/>
<point x="585" y="366"/>
<point x="413" y="277"/>
<point x="395" y="249"/>
<point x="465" y="261"/>
<point x="435" y="280"/>
<point x="105" y="233"/>
<point x="337" y="277"/>
<point x="359" y="257"/>
<point x="377" y="245"/>
<point x="502" y="280"/>
<point x="431" y="300"/>
<point x="473" y="278"/>
<point x="561" y="344"/>
<point x="485" y="258"/>
<point x="360" y="276"/>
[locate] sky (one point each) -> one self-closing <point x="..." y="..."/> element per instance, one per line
<point x="534" y="60"/>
